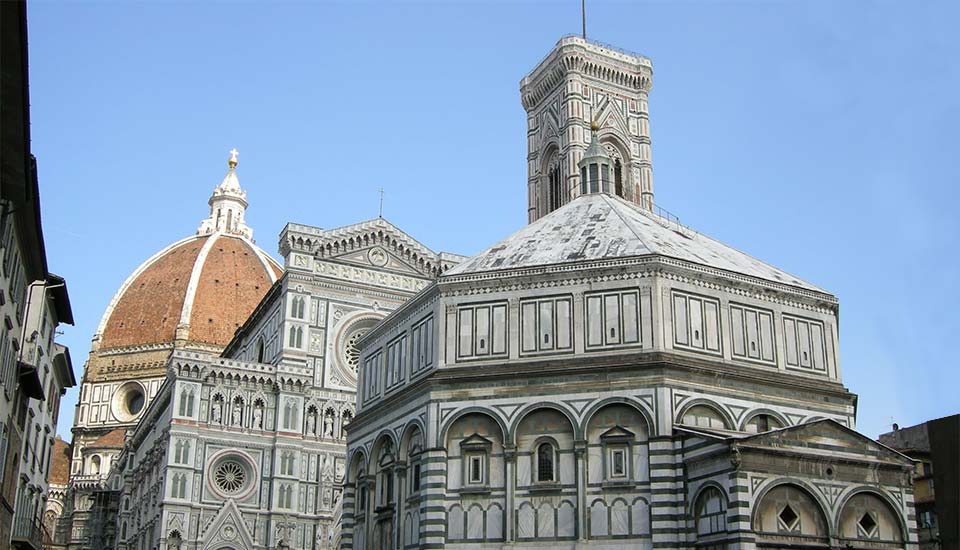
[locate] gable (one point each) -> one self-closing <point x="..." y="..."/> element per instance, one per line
<point x="825" y="436"/>
<point x="228" y="528"/>
<point x="378" y="257"/>
<point x="379" y="244"/>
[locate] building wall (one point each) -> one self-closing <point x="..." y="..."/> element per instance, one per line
<point x="272" y="409"/>
<point x="666" y="366"/>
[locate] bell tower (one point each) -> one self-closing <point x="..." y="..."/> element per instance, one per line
<point x="577" y="84"/>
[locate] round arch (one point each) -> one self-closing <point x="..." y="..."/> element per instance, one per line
<point x="442" y="437"/>
<point x="883" y="496"/>
<point x="525" y="411"/>
<point x="413" y="424"/>
<point x="356" y="462"/>
<point x="782" y="419"/>
<point x="692" y="504"/>
<point x="803" y="486"/>
<point x="550" y="149"/>
<point x="616" y="400"/>
<point x="678" y="419"/>
<point x="378" y="442"/>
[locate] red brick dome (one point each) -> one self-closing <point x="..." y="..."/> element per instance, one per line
<point x="206" y="286"/>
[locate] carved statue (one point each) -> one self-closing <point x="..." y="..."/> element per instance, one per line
<point x="258" y="418"/>
<point x="327" y="426"/>
<point x="215" y="411"/>
<point x="237" y="417"/>
<point x="312" y="423"/>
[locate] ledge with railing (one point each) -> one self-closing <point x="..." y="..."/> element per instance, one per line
<point x="28" y="532"/>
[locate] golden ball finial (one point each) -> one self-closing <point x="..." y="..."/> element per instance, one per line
<point x="233" y="158"/>
<point x="595" y="126"/>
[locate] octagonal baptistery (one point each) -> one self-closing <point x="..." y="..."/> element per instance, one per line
<point x="609" y="378"/>
<point x="192" y="294"/>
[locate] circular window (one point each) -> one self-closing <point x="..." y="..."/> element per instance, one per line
<point x="351" y="353"/>
<point x="230" y="477"/>
<point x="128" y="401"/>
<point x="134" y="401"/>
<point x="347" y="345"/>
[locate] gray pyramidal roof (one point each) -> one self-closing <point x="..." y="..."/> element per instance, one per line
<point x="599" y="226"/>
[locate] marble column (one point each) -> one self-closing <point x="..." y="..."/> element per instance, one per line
<point x="510" y="463"/>
<point x="580" y="452"/>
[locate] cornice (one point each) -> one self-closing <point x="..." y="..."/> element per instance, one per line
<point x="572" y="54"/>
<point x="593" y="271"/>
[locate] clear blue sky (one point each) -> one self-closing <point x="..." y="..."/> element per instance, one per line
<point x="819" y="136"/>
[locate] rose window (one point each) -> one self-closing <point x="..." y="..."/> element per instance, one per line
<point x="351" y="352"/>
<point x="230" y="477"/>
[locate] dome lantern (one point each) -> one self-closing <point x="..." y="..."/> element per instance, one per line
<point x="228" y="203"/>
<point x="595" y="166"/>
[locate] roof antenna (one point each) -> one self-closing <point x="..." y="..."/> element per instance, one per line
<point x="381" y="203"/>
<point x="583" y="17"/>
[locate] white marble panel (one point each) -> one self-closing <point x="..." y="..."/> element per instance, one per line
<point x="546" y="526"/>
<point x="568" y="464"/>
<point x="454" y="473"/>
<point x="475" y="522"/>
<point x="525" y="521"/>
<point x="496" y="472"/>
<point x="619" y="518"/>
<point x="566" y="520"/>
<point x="495" y="522"/>
<point x="455" y="523"/>
<point x="598" y="520"/>
<point x="523" y="470"/>
<point x="640" y="518"/>
<point x="641" y="463"/>
<point x="594" y="464"/>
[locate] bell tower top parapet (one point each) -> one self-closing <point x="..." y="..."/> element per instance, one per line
<point x="579" y="82"/>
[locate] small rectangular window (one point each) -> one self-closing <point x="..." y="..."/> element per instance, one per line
<point x="618" y="463"/>
<point x="476" y="469"/>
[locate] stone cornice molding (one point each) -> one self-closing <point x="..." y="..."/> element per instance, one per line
<point x="652" y="265"/>
<point x="574" y="55"/>
<point x="322" y="244"/>
<point x="416" y="306"/>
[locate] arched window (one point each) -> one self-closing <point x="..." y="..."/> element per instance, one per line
<point x="545" y="462"/>
<point x="296" y="337"/>
<point x="703" y="416"/>
<point x="762" y="423"/>
<point x="95" y="465"/>
<point x="618" y="177"/>
<point x="711" y="512"/>
<point x="260" y="350"/>
<point x="556" y="188"/>
<point x="298" y="307"/>
<point x="184" y="396"/>
<point x="287" y="415"/>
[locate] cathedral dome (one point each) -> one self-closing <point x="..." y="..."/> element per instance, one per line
<point x="199" y="289"/>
